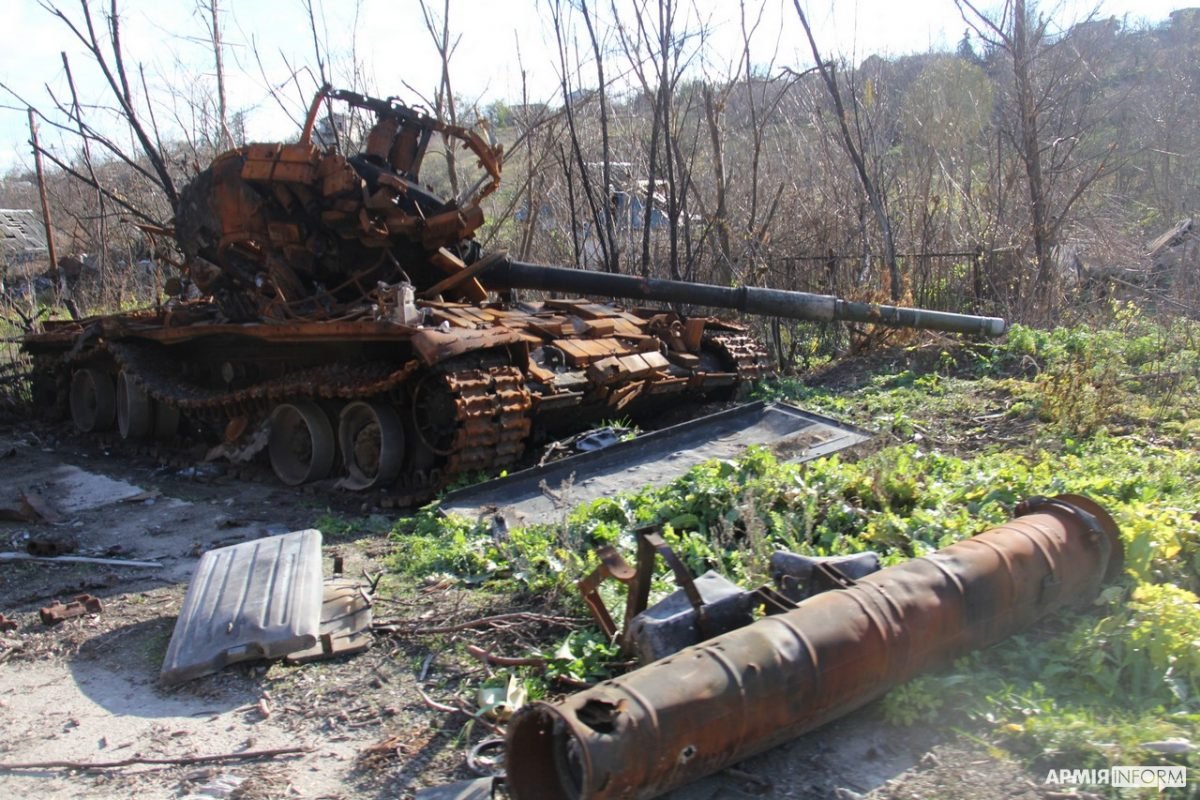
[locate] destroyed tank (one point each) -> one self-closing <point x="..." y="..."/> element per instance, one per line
<point x="344" y="320"/>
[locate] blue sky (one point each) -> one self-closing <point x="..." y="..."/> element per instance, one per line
<point x="388" y="42"/>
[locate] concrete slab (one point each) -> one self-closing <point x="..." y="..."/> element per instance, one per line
<point x="71" y="490"/>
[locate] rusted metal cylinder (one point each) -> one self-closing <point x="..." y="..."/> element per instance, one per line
<point x="748" y="299"/>
<point x="716" y="703"/>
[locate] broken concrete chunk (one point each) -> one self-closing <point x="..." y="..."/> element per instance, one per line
<point x="259" y="599"/>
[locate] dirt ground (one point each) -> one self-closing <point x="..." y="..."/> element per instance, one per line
<point x="87" y="690"/>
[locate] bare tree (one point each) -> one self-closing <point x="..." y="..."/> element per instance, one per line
<point x="597" y="197"/>
<point x="214" y="34"/>
<point x="612" y="252"/>
<point x="851" y="143"/>
<point x="109" y="56"/>
<point x="1048" y="128"/>
<point x="444" y="103"/>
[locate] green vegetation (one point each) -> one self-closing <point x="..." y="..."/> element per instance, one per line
<point x="966" y="434"/>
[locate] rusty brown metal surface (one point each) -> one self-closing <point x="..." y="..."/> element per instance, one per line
<point x="650" y="547"/>
<point x="58" y="611"/>
<point x="294" y="231"/>
<point x="713" y="704"/>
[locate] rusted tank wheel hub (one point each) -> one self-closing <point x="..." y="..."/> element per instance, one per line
<point x="93" y="400"/>
<point x="135" y="409"/>
<point x="371" y="439"/>
<point x="301" y="444"/>
<point x="435" y="414"/>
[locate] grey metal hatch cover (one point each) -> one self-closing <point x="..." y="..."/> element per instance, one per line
<point x="545" y="494"/>
<point x="259" y="599"/>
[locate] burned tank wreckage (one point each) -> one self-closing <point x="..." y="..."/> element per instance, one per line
<point x="346" y="320"/>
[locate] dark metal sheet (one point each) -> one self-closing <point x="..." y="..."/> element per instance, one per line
<point x="345" y="622"/>
<point x="544" y="494"/>
<point x="259" y="599"/>
<point x="477" y="789"/>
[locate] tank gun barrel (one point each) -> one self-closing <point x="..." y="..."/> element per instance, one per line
<point x="747" y="299"/>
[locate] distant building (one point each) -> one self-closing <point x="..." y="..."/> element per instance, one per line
<point x="22" y="237"/>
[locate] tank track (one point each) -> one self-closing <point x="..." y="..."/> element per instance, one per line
<point x="150" y="371"/>
<point x="745" y="353"/>
<point x="490" y="408"/>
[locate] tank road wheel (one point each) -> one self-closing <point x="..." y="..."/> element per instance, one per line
<point x="135" y="409"/>
<point x="435" y="414"/>
<point x="93" y="400"/>
<point x="301" y="444"/>
<point x="371" y="440"/>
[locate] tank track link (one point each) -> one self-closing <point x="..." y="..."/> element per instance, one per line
<point x="745" y="353"/>
<point x="492" y="410"/>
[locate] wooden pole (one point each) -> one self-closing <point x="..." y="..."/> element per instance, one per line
<point x="41" y="180"/>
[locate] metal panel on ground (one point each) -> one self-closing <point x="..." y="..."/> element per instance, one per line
<point x="259" y="599"/>
<point x="544" y="494"/>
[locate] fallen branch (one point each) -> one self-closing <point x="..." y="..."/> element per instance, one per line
<point x="504" y="661"/>
<point x="179" y="760"/>
<point x="410" y="628"/>
<point x="434" y="704"/>
<point x="478" y="717"/>
<point x="460" y="707"/>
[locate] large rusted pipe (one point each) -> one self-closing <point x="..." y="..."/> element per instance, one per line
<point x="731" y="697"/>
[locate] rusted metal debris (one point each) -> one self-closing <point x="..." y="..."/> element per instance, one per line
<point x="702" y="608"/>
<point x="736" y="695"/>
<point x="346" y="617"/>
<point x="58" y="611"/>
<point x="266" y="599"/>
<point x="708" y="605"/>
<point x="476" y="789"/>
<point x="257" y="599"/>
<point x="797" y="576"/>
<point x="291" y="231"/>
<point x="50" y="546"/>
<point x="536" y="495"/>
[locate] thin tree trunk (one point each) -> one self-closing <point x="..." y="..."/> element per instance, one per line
<point x="102" y="233"/>
<point x="41" y="181"/>
<point x="612" y="253"/>
<point x="222" y="110"/>
<point x="875" y="199"/>
<point x="720" y="215"/>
